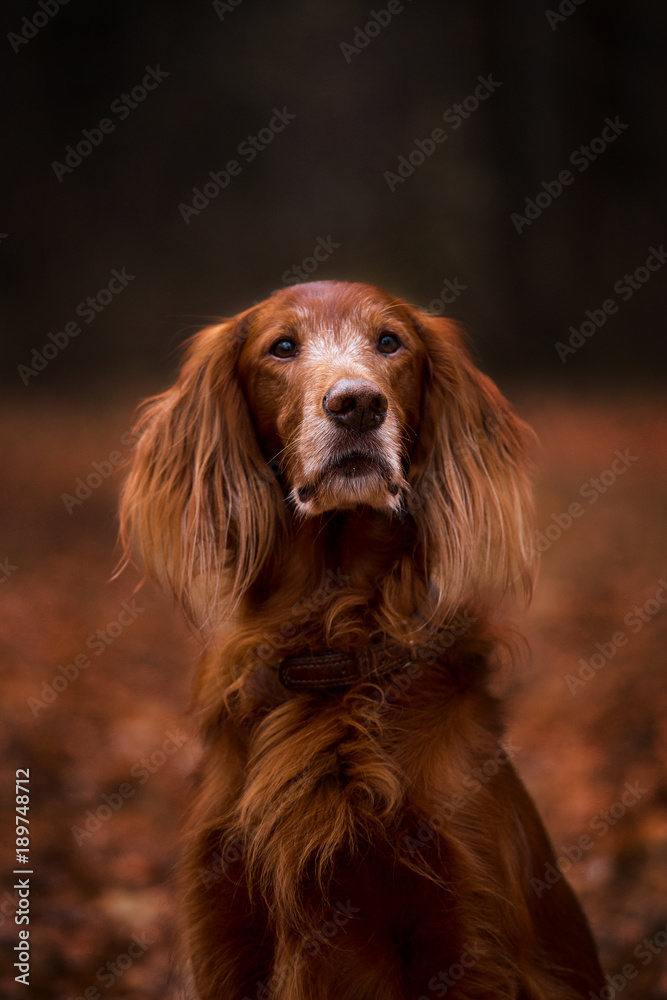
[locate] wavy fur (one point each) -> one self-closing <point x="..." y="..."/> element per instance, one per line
<point x="367" y="844"/>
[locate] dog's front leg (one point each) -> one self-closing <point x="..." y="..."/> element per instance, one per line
<point x="230" y="946"/>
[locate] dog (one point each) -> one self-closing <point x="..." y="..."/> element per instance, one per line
<point x="339" y="498"/>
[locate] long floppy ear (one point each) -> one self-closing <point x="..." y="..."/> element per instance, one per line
<point x="200" y="503"/>
<point x="471" y="495"/>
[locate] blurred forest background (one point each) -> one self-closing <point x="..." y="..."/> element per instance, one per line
<point x="367" y="86"/>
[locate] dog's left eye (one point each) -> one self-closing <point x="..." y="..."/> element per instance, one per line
<point x="283" y="348"/>
<point x="388" y="343"/>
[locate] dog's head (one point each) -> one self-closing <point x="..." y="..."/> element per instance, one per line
<point x="333" y="376"/>
<point x="327" y="397"/>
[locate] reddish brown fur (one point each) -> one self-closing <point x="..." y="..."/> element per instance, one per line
<point x="339" y="844"/>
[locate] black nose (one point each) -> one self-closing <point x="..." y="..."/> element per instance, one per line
<point x="356" y="404"/>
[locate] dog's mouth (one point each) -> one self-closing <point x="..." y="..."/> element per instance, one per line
<point x="349" y="480"/>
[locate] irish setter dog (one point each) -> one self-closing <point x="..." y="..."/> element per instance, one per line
<point x="338" y="498"/>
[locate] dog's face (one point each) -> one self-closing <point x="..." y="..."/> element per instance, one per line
<point x="332" y="373"/>
<point x="358" y="400"/>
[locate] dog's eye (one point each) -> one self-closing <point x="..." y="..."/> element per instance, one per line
<point x="388" y="343"/>
<point x="283" y="348"/>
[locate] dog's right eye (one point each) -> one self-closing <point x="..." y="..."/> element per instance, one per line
<point x="283" y="348"/>
<point x="388" y="343"/>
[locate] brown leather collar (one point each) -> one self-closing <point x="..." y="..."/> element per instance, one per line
<point x="336" y="670"/>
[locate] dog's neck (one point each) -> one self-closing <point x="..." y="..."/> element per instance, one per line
<point x="352" y="582"/>
<point x="358" y="547"/>
<point x="339" y="566"/>
<point x="363" y="544"/>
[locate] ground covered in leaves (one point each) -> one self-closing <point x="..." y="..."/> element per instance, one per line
<point x="95" y="680"/>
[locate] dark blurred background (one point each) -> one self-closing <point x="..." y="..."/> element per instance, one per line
<point x="319" y="198"/>
<point x="561" y="75"/>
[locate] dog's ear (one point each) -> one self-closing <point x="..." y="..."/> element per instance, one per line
<point x="471" y="495"/>
<point x="200" y="504"/>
